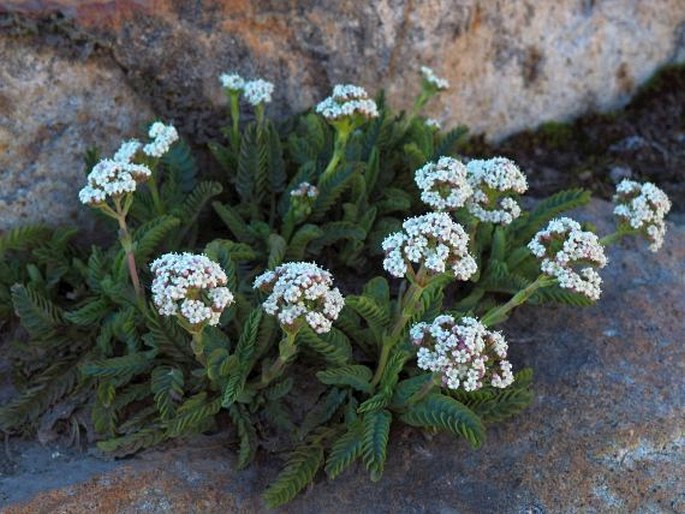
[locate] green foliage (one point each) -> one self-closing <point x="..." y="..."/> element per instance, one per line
<point x="299" y="471"/>
<point x="375" y="433"/>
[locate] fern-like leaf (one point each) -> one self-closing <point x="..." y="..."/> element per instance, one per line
<point x="354" y="375"/>
<point x="333" y="346"/>
<point x="299" y="471"/>
<point x="298" y="244"/>
<point x="346" y="449"/>
<point x="443" y="412"/>
<point x="246" y="433"/>
<point x="39" y="316"/>
<point x="167" y="386"/>
<point x="375" y="433"/>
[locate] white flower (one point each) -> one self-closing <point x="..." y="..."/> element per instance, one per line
<point x="494" y="181"/>
<point x="258" y="91"/>
<point x="433" y="123"/>
<point x="232" y="81"/>
<point x="301" y="291"/>
<point x="163" y="136"/>
<point x="127" y="151"/>
<point x="464" y="354"/>
<point x="305" y="189"/>
<point x="433" y="80"/>
<point x="433" y="240"/>
<point x="444" y="185"/>
<point x="562" y="247"/>
<point x="643" y="207"/>
<point x="347" y="101"/>
<point x="112" y="178"/>
<point x="190" y="286"/>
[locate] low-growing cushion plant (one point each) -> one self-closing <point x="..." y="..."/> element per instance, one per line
<point x="347" y="247"/>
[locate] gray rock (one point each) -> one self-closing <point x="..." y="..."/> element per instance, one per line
<point x="605" y="432"/>
<point x="512" y="65"/>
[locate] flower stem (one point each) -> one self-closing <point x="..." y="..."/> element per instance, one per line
<point x="341" y="137"/>
<point x="408" y="306"/>
<point x="615" y="237"/>
<point x="425" y="390"/>
<point x="127" y="243"/>
<point x="286" y="350"/>
<point x="499" y="314"/>
<point x="235" y="120"/>
<point x="198" y="347"/>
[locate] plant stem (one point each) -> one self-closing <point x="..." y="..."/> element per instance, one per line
<point x="408" y="304"/>
<point x="498" y="314"/>
<point x="235" y="120"/>
<point x="341" y="137"/>
<point x="198" y="347"/>
<point x="615" y="237"/>
<point x="127" y="244"/>
<point x="286" y="350"/>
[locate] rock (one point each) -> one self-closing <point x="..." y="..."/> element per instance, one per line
<point x="511" y="64"/>
<point x="52" y="109"/>
<point x="605" y="432"/>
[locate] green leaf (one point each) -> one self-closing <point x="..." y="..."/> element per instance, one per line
<point x="117" y="367"/>
<point x="91" y="313"/>
<point x="375" y="432"/>
<point x="193" y="415"/>
<point x="299" y="471"/>
<point x="234" y="222"/>
<point x="324" y="409"/>
<point x="244" y="352"/>
<point x="277" y="175"/>
<point x="237" y="252"/>
<point x="166" y="384"/>
<point x="24" y="237"/>
<point x="394" y="200"/>
<point x="181" y="166"/>
<point x="39" y="316"/>
<point x="445" y="413"/>
<point x="375" y="313"/>
<point x="331" y="189"/>
<point x="298" y="244"/>
<point x="556" y="294"/>
<point x="220" y="364"/>
<point x="337" y="231"/>
<point x="193" y="204"/>
<point x="345" y="451"/>
<point x="354" y="375"/>
<point x="447" y="143"/>
<point x="333" y="346"/>
<point x="246" y="433"/>
<point x="277" y="248"/>
<point x="408" y="388"/>
<point x="132" y="443"/>
<point x="378" y="401"/>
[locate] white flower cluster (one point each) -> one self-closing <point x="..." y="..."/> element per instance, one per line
<point x="191" y="286"/>
<point x="563" y="245"/>
<point x="433" y="123"/>
<point x="643" y="207"/>
<point x="112" y="178"/>
<point x="433" y="80"/>
<point x="347" y="101"/>
<point x="464" y="354"/>
<point x="163" y="136"/>
<point x="305" y="189"/>
<point x="433" y="240"/>
<point x="127" y="151"/>
<point x="301" y="291"/>
<point x="232" y="81"/>
<point x="258" y="91"/>
<point x="444" y="184"/>
<point x="493" y="180"/>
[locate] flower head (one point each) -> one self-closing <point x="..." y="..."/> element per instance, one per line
<point x="110" y="178"/>
<point x="464" y="354"/>
<point x="643" y="207"/>
<point x="305" y="190"/>
<point x="301" y="291"/>
<point x="258" y="92"/>
<point x="433" y="123"/>
<point x="433" y="240"/>
<point x="431" y="80"/>
<point x="444" y="184"/>
<point x="494" y="181"/>
<point x="562" y="247"/>
<point x="232" y="81"/>
<point x="346" y="102"/>
<point x="163" y="136"/>
<point x="190" y="286"/>
<point x="127" y="151"/>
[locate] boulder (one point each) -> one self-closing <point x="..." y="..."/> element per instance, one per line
<point x="604" y="434"/>
<point x="93" y="69"/>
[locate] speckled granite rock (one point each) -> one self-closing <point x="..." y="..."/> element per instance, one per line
<point x="511" y="64"/>
<point x="605" y="433"/>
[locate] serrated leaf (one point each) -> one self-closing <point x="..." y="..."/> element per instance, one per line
<point x="277" y="248"/>
<point x="333" y="346"/>
<point x="345" y="450"/>
<point x="91" y="313"/>
<point x="375" y="433"/>
<point x="166" y="383"/>
<point x="39" y="316"/>
<point x="298" y="244"/>
<point x="299" y="471"/>
<point x="443" y="412"/>
<point x="354" y="375"/>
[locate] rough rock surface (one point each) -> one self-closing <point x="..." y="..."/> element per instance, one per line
<point x="511" y="65"/>
<point x="605" y="433"/>
<point x="52" y="110"/>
